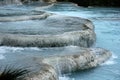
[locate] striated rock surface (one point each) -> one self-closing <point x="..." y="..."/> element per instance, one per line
<point x="89" y="58"/>
<point x="52" y="67"/>
<point x="46" y="72"/>
<point x="53" y="31"/>
<point x="56" y="31"/>
<point x="23" y="17"/>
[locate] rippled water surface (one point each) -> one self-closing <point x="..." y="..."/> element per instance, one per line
<point x="107" y="28"/>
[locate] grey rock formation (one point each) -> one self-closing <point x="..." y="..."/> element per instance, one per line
<point x="89" y="58"/>
<point x="24" y="17"/>
<point x="54" y="31"/>
<point x="53" y="66"/>
<point x="57" y="30"/>
<point x="46" y="72"/>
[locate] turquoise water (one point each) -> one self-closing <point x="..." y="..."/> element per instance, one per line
<point x="107" y="28"/>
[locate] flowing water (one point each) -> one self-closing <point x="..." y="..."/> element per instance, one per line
<point x="107" y="28"/>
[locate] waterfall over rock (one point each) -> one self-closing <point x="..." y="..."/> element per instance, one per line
<point x="61" y="31"/>
<point x="52" y="66"/>
<point x="79" y="61"/>
<point x="42" y="41"/>
<point x="88" y="58"/>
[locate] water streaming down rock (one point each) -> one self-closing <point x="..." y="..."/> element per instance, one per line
<point x="52" y="66"/>
<point x="48" y="40"/>
<point x="88" y="58"/>
<point x="61" y="31"/>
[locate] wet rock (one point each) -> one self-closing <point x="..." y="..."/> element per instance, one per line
<point x="69" y="22"/>
<point x="24" y="17"/>
<point x="80" y="38"/>
<point x="88" y="59"/>
<point x="51" y="67"/>
<point x="60" y="31"/>
<point x="46" y="72"/>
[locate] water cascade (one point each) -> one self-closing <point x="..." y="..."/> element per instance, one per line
<point x="49" y="44"/>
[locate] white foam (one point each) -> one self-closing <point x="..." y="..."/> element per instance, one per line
<point x="2" y="50"/>
<point x="5" y="49"/>
<point x="14" y="49"/>
<point x="111" y="61"/>
<point x="71" y="46"/>
<point x="72" y="49"/>
<point x="34" y="48"/>
<point x="65" y="78"/>
<point x="2" y="57"/>
<point x="114" y="56"/>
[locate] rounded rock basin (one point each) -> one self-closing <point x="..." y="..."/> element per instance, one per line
<point x="50" y="24"/>
<point x="51" y="62"/>
<point x="30" y="28"/>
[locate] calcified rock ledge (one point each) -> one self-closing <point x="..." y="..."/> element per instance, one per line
<point x="71" y="31"/>
<point x="68" y="31"/>
<point x="24" y="17"/>
<point x="53" y="66"/>
<point x="49" y="68"/>
<point x="81" y="38"/>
